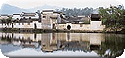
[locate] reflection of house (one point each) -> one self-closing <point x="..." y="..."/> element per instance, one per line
<point x="54" y="41"/>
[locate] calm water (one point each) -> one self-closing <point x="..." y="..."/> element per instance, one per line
<point x="62" y="44"/>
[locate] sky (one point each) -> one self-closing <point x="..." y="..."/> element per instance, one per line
<point x="26" y="4"/>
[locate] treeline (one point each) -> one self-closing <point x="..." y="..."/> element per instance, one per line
<point x="75" y="12"/>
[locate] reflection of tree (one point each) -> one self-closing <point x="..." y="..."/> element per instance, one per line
<point x="115" y="44"/>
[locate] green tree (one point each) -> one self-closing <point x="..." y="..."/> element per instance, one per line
<point x="113" y="17"/>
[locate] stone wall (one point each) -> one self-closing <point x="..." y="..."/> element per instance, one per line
<point x="94" y="25"/>
<point x="22" y="25"/>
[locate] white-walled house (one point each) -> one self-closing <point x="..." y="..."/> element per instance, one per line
<point x="4" y="16"/>
<point x="29" y="15"/>
<point x="16" y="16"/>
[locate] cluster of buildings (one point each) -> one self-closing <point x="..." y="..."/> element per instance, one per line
<point x="48" y="19"/>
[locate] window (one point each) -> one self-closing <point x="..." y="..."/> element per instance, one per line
<point x="19" y="23"/>
<point x="22" y="23"/>
<point x="29" y="17"/>
<point x="80" y="25"/>
<point x="28" y="23"/>
<point x="23" y="17"/>
<point x="44" y="16"/>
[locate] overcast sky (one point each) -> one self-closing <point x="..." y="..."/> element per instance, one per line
<point x="63" y="3"/>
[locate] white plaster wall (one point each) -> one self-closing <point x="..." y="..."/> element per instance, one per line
<point x="39" y="25"/>
<point x="1" y="25"/>
<point x="9" y="26"/>
<point x="4" y="17"/>
<point x="0" y="34"/>
<point x="96" y="25"/>
<point x="16" y="16"/>
<point x="85" y="27"/>
<point x="25" y="25"/>
<point x="61" y="26"/>
<point x="74" y="26"/>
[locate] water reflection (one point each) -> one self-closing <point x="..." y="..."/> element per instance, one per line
<point x="49" y="42"/>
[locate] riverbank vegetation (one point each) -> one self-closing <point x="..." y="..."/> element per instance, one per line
<point x="113" y="18"/>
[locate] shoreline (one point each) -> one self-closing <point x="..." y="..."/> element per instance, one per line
<point x="24" y="30"/>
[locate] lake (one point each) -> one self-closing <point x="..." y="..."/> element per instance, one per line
<point x="62" y="44"/>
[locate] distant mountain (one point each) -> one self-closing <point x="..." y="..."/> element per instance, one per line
<point x="44" y="7"/>
<point x="8" y="9"/>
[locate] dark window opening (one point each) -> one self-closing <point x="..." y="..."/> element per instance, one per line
<point x="29" y="17"/>
<point x="68" y="27"/>
<point x="24" y="18"/>
<point x="44" y="16"/>
<point x="34" y="36"/>
<point x="54" y="27"/>
<point x="94" y="47"/>
<point x="12" y="25"/>
<point x="35" y="26"/>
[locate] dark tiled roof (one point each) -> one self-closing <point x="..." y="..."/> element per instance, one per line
<point x="77" y="19"/>
<point x="47" y="10"/>
<point x="25" y="20"/>
<point x="16" y="14"/>
<point x="4" y="15"/>
<point x="29" y="14"/>
<point x="97" y="16"/>
<point x="57" y="12"/>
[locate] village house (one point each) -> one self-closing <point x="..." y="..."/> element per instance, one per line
<point x="29" y="15"/>
<point x="16" y="16"/>
<point x="5" y="16"/>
